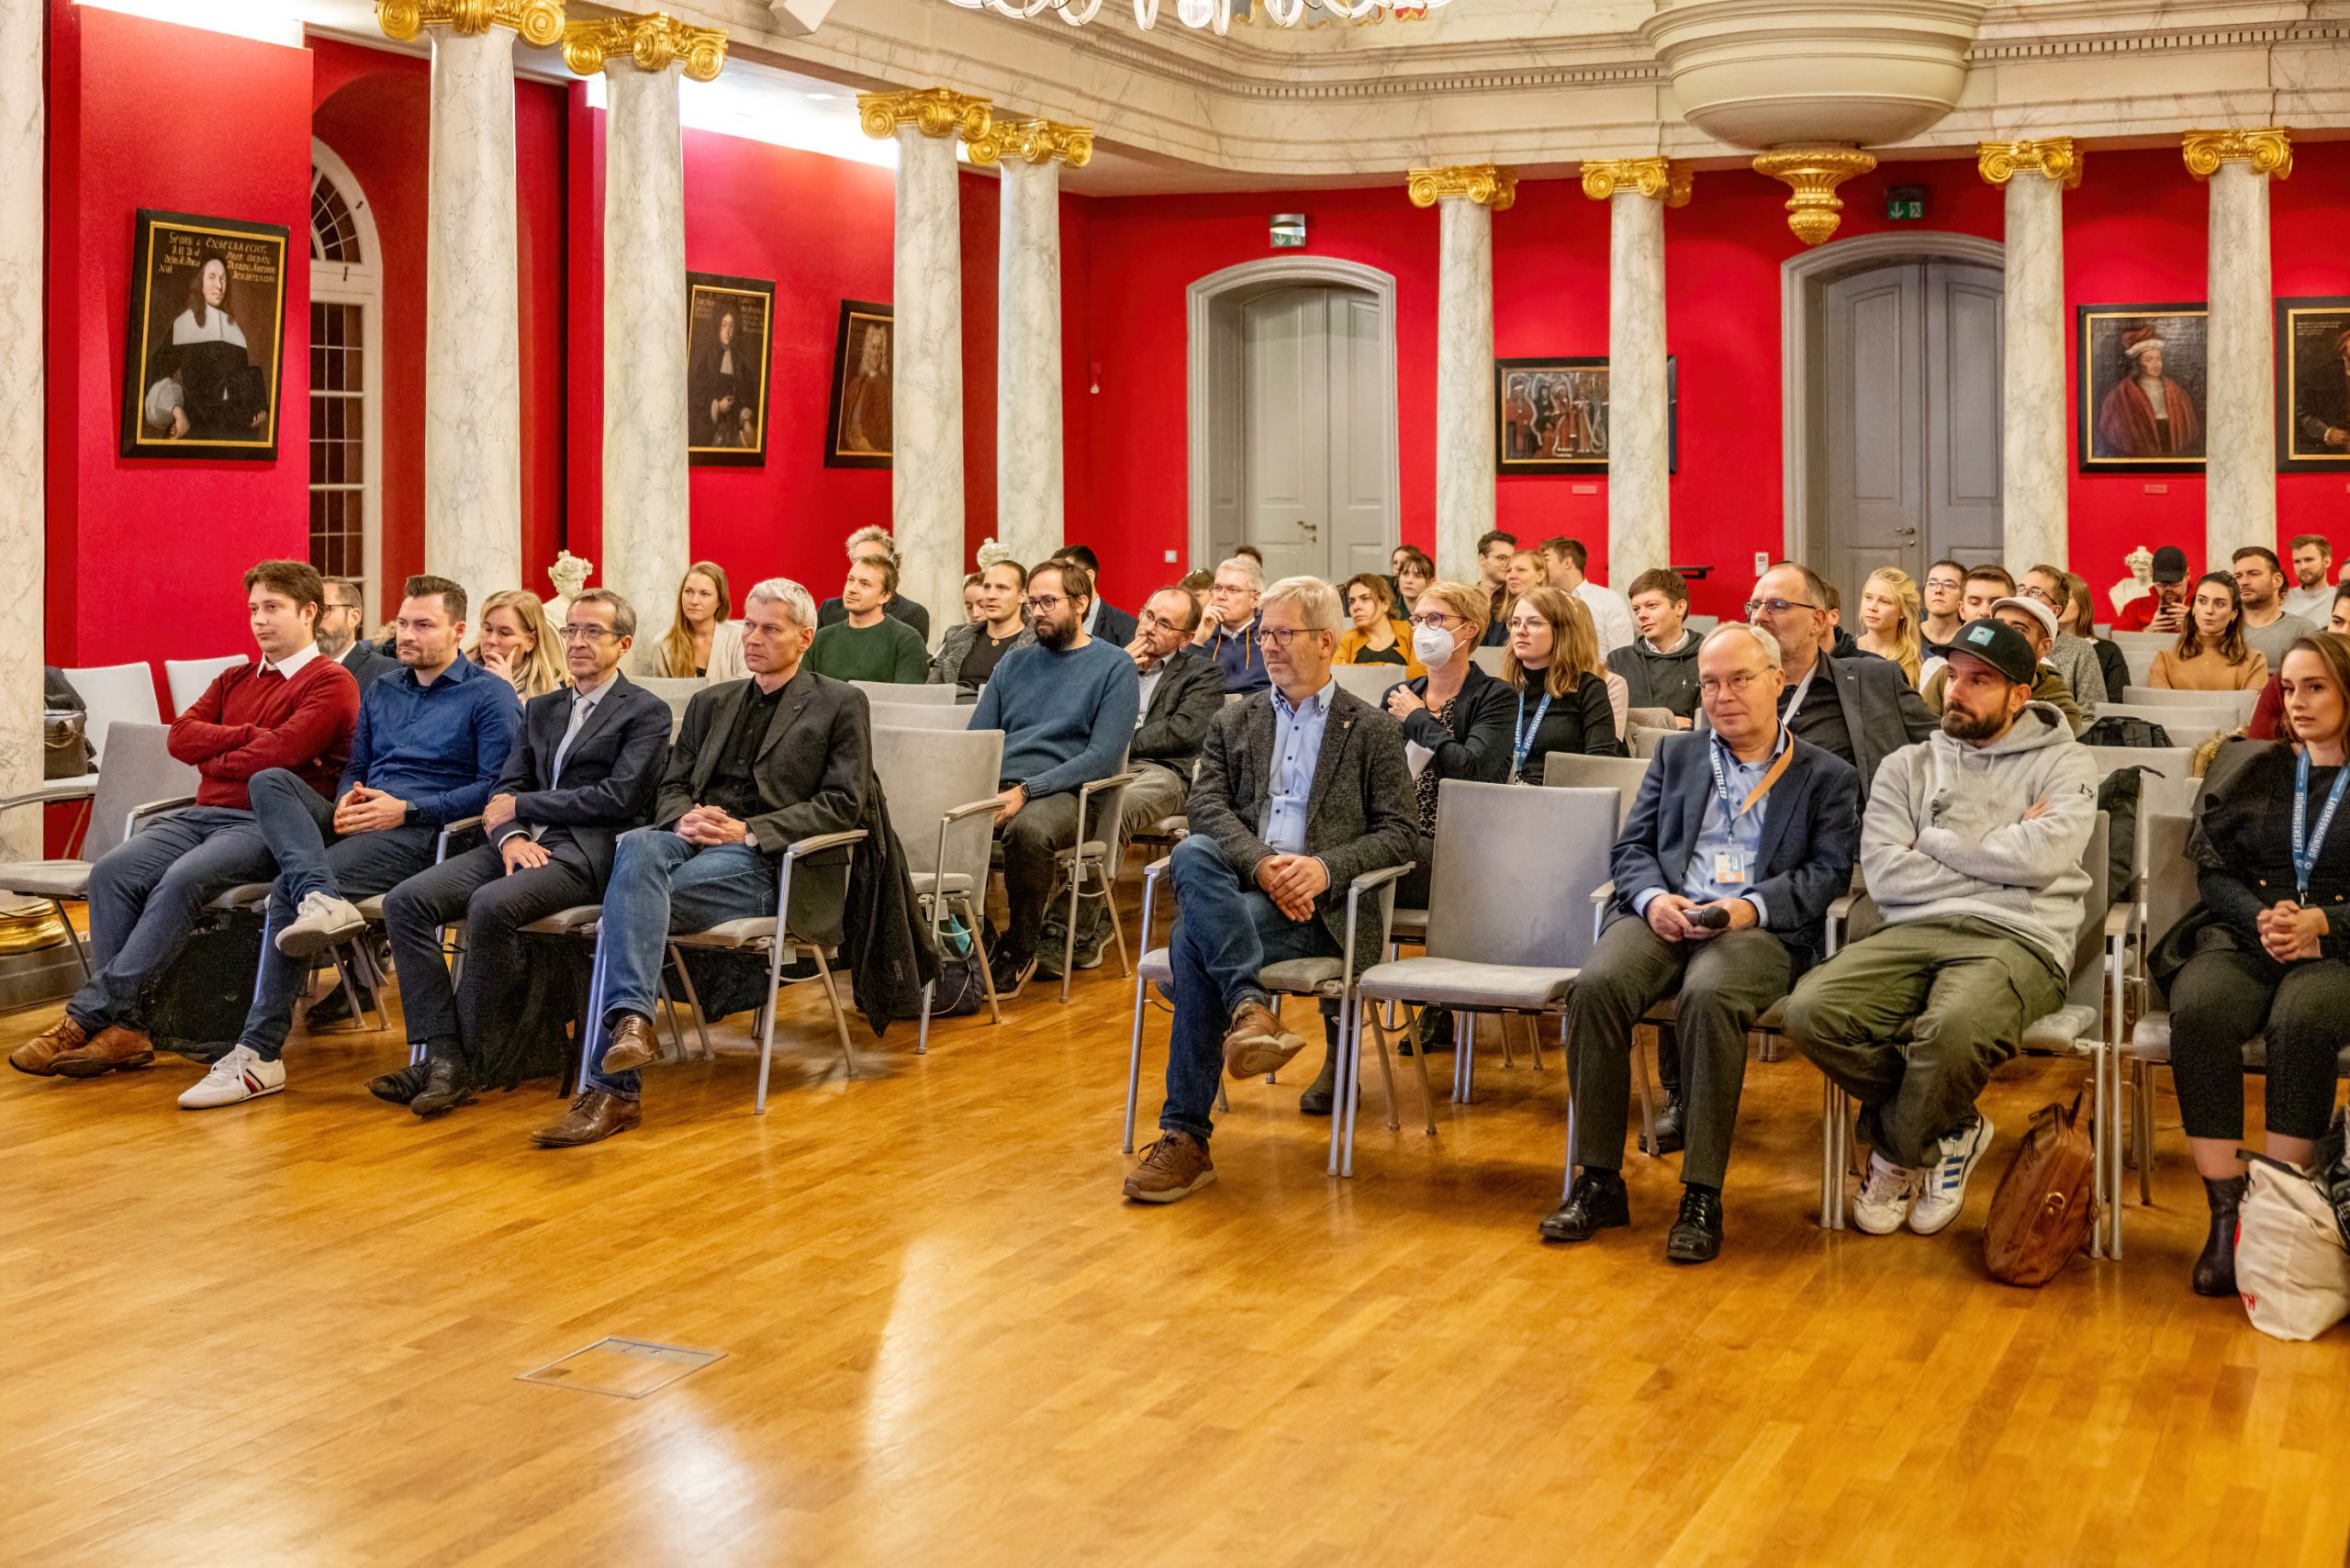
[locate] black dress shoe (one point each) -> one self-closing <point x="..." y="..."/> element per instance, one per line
<point x="1667" y="1126"/>
<point x="401" y="1087"/>
<point x="447" y="1085"/>
<point x="2215" y="1269"/>
<point x="1595" y="1203"/>
<point x="1322" y="1093"/>
<point x="1697" y="1234"/>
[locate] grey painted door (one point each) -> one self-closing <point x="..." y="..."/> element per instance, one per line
<point x="1311" y="497"/>
<point x="1911" y="399"/>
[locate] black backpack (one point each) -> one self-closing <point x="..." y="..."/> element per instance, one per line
<point x="2118" y="729"/>
<point x="2119" y="798"/>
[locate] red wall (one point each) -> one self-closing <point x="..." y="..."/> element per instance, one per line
<point x="145" y="555"/>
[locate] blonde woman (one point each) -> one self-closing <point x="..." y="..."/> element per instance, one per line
<point x="704" y="641"/>
<point x="1891" y="611"/>
<point x="518" y="642"/>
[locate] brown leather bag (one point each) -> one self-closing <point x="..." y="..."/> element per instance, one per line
<point x="2042" y="1212"/>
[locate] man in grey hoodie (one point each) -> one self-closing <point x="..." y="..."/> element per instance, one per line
<point x="1660" y="666"/>
<point x="1971" y="847"/>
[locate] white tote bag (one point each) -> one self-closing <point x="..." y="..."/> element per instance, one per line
<point x="2291" y="1269"/>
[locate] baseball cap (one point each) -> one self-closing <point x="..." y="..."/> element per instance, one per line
<point x="2032" y="606"/>
<point x="2170" y="565"/>
<point x="2001" y="646"/>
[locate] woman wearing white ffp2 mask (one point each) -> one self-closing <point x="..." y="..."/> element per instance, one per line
<point x="1455" y="718"/>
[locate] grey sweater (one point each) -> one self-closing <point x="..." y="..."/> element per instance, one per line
<point x="1944" y="835"/>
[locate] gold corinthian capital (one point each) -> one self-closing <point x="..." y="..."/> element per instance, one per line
<point x="2055" y="158"/>
<point x="539" y="21"/>
<point x="1484" y="184"/>
<point x="650" y="43"/>
<point x="1658" y="179"/>
<point x="2269" y="152"/>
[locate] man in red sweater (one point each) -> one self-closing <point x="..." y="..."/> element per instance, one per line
<point x="292" y="708"/>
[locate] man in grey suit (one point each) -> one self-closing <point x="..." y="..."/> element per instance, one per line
<point x="582" y="771"/>
<point x="758" y="765"/>
<point x="1301" y="790"/>
<point x="1737" y="843"/>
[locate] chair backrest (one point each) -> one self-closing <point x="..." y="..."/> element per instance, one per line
<point x="2185" y="727"/>
<point x="1514" y="871"/>
<point x="925" y="774"/>
<point x="2243" y="703"/>
<point x="2172" y="887"/>
<point x="941" y="694"/>
<point x="922" y="716"/>
<point x="188" y="677"/>
<point x="1371" y="683"/>
<point x="138" y="769"/>
<point x="115" y="694"/>
<point x="2171" y="762"/>
<point x="1644" y="740"/>
<point x="1489" y="659"/>
<point x="2140" y="656"/>
<point x="1701" y="624"/>
<point x="2085" y="987"/>
<point x="1572" y="770"/>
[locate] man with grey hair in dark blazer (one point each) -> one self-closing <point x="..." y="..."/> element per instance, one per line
<point x="1301" y="790"/>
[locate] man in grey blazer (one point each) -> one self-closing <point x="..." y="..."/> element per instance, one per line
<point x="1301" y="790"/>
<point x="582" y="771"/>
<point x="758" y="765"/>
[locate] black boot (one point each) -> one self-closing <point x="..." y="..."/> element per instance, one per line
<point x="401" y="1087"/>
<point x="1669" y="1126"/>
<point x="447" y="1085"/>
<point x="1597" y="1201"/>
<point x="2215" y="1270"/>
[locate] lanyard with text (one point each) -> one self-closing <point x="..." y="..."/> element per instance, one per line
<point x="1762" y="785"/>
<point x="1527" y="731"/>
<point x="2306" y="841"/>
<point x="1803" y="688"/>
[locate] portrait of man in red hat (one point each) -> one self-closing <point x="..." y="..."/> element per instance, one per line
<point x="2143" y="411"/>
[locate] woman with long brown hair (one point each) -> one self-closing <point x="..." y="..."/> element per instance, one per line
<point x="2211" y="654"/>
<point x="703" y="641"/>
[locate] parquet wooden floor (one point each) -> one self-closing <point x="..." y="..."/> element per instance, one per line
<point x="289" y="1332"/>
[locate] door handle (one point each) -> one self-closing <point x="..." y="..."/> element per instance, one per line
<point x="1906" y="533"/>
<point x="1312" y="530"/>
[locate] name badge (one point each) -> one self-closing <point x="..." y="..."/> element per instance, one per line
<point x="1730" y="867"/>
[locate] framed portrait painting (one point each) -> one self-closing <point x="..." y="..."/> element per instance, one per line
<point x="2312" y="386"/>
<point x="1550" y="415"/>
<point x="858" y="434"/>
<point x="728" y="323"/>
<point x="2140" y="383"/>
<point x="203" y="350"/>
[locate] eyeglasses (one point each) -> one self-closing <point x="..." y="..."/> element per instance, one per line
<point x="1435" y="619"/>
<point x="1152" y="618"/>
<point x="1713" y="686"/>
<point x="1945" y="583"/>
<point x="1525" y="623"/>
<point x="585" y="633"/>
<point x="1756" y="607"/>
<point x="1278" y="637"/>
<point x="2040" y="594"/>
<point x="1045" y="602"/>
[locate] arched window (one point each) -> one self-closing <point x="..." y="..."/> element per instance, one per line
<point x="346" y="377"/>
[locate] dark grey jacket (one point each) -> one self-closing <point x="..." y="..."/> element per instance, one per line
<point x="365" y="663"/>
<point x="1883" y="712"/>
<point x="1189" y="696"/>
<point x="946" y="665"/>
<point x="608" y="775"/>
<point x="1358" y="815"/>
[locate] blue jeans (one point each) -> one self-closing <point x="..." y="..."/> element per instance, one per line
<point x="298" y="824"/>
<point x="661" y="884"/>
<point x="146" y="894"/>
<point x="1224" y="931"/>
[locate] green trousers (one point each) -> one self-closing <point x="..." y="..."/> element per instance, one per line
<point x="1963" y="988"/>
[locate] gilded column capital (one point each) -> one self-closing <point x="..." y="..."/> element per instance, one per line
<point x="2269" y="152"/>
<point x="650" y="43"/>
<point x="1658" y="179"/>
<point x="1484" y="184"/>
<point x="2055" y="158"/>
<point x="1813" y="174"/>
<point x="1036" y="142"/>
<point x="539" y="21"/>
<point x="935" y="111"/>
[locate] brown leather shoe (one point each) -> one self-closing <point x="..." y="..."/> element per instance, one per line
<point x="594" y="1116"/>
<point x="1169" y="1170"/>
<point x="634" y="1045"/>
<point x="1257" y="1043"/>
<point x="38" y="1055"/>
<point x="112" y="1050"/>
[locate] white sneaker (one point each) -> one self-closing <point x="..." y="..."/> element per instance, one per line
<point x="1884" y="1200"/>
<point x="239" y="1075"/>
<point x="322" y="921"/>
<point x="1944" y="1191"/>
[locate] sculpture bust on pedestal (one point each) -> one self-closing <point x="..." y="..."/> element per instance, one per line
<point x="2140" y="580"/>
<point x="569" y="574"/>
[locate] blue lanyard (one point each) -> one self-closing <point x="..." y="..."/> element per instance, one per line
<point x="2306" y="842"/>
<point x="1526" y="732"/>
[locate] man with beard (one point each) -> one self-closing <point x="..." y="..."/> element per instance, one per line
<point x="342" y="633"/>
<point x="2311" y="596"/>
<point x="1067" y="705"/>
<point x="1971" y="844"/>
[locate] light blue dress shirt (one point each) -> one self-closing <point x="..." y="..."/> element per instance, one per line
<point x="1297" y="746"/>
<point x="1720" y="832"/>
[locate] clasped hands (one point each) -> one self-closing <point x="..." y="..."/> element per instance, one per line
<point x="1665" y="917"/>
<point x="2290" y="933"/>
<point x="363" y="810"/>
<point x="1293" y="882"/>
<point x="708" y="825"/>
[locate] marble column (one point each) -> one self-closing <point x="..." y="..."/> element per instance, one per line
<point x="1466" y="197"/>
<point x="647" y="534"/>
<point x="1028" y="329"/>
<point x="2239" y="391"/>
<point x="926" y="345"/>
<point x="2035" y="472"/>
<point x="1640" y="409"/>
<point x="473" y="344"/>
<point x="23" y="503"/>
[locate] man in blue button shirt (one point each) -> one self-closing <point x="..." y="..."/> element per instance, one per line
<point x="1740" y="837"/>
<point x="431" y="740"/>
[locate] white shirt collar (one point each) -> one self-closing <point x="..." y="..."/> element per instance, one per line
<point x="291" y="664"/>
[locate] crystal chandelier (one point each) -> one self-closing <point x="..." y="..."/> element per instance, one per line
<point x="1214" y="14"/>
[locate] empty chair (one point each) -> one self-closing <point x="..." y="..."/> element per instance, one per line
<point x="1571" y="770"/>
<point x="1489" y="659"/>
<point x="115" y="694"/>
<point x="676" y="691"/>
<point x="140" y="778"/>
<point x="2243" y="703"/>
<point x="2138" y="651"/>
<point x="1370" y="682"/>
<point x="922" y="716"/>
<point x="188" y="677"/>
<point x="1701" y="624"/>
<point x="1643" y="741"/>
<point x="940" y="695"/>
<point x="942" y="794"/>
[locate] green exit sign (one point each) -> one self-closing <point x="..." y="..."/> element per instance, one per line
<point x="1905" y="204"/>
<point x="1289" y="232"/>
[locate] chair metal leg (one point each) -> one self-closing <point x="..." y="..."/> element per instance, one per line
<point x="1647" y="1096"/>
<point x="81" y="948"/>
<point x="1832" y="1164"/>
<point x="1534" y="1037"/>
<point x="2145" y="1133"/>
<point x="1068" y="934"/>
<point x="693" y="1003"/>
<point x="987" y="972"/>
<point x="1501" y="1022"/>
<point x="1133" y="1065"/>
<point x="1428" y="1091"/>
<point x="592" y="1023"/>
<point x="922" y="1035"/>
<point x="840" y="1019"/>
<point x="1344" y="1076"/>
<point x="1117" y="926"/>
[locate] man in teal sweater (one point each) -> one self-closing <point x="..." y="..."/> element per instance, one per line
<point x="870" y="644"/>
<point x="1067" y="705"/>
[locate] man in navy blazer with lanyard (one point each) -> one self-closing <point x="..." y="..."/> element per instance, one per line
<point x="1739" y="839"/>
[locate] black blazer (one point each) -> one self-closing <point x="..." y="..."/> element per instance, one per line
<point x="1811" y="837"/>
<point x="1189" y="696"/>
<point x="608" y="775"/>
<point x="1475" y="743"/>
<point x="365" y="664"/>
<point x="1883" y="712"/>
<point x="1114" y="625"/>
<point x="812" y="770"/>
<point x="1582" y="720"/>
